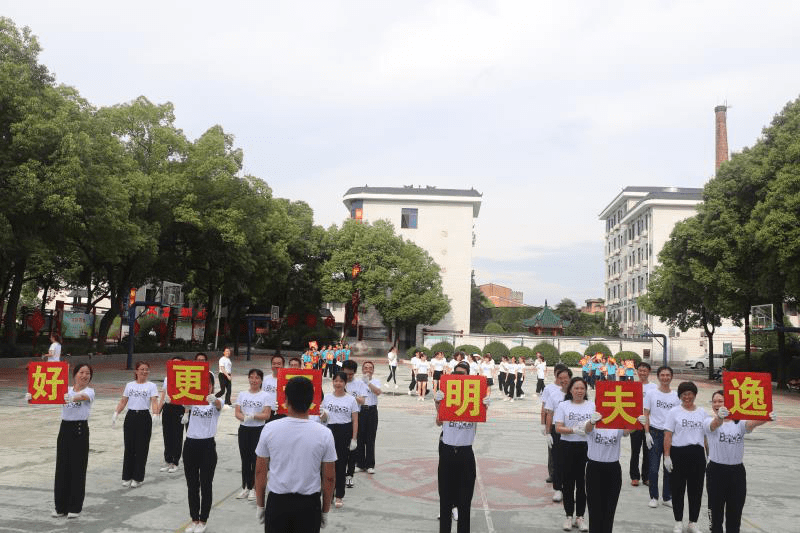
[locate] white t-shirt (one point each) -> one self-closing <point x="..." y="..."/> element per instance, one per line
<point x="487" y="369"/>
<point x="474" y="368"/>
<point x="340" y="408"/>
<point x="296" y="449"/>
<point x="604" y="445"/>
<point x="573" y="414"/>
<point x="423" y="366"/>
<point x="371" y="397"/>
<point x="252" y="404"/>
<point x="356" y="388"/>
<point x="452" y="363"/>
<point x="726" y="443"/>
<point x="438" y="364"/>
<point x="520" y="368"/>
<point x="647" y="388"/>
<point x="503" y="366"/>
<point x="56" y="355"/>
<point x="686" y="426"/>
<point x="549" y="389"/>
<point x="459" y="433"/>
<point x="414" y="363"/>
<point x="554" y="398"/>
<point x="270" y="385"/>
<point x="392" y="356"/>
<point x="80" y="410"/>
<point x="202" y="422"/>
<point x="139" y="395"/>
<point x="541" y="368"/>
<point x="225" y="364"/>
<point x="659" y="404"/>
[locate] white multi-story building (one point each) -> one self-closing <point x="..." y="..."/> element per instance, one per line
<point x="440" y="221"/>
<point x="639" y="221"/>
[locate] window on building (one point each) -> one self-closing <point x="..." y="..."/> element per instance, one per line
<point x="408" y="218"/>
<point x="357" y="209"/>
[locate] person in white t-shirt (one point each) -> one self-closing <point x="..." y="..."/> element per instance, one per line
<point x="726" y="481"/>
<point x="252" y="410"/>
<point x="172" y="429"/>
<point x="342" y="409"/>
<point x="541" y="369"/>
<point x="474" y="364"/>
<point x="141" y="399"/>
<point x="657" y="404"/>
<point x="685" y="456"/>
<point x="520" y="376"/>
<point x="72" y="445"/>
<point x="637" y="437"/>
<point x="225" y="376"/>
<point x="456" y="472"/>
<point x="423" y="372"/>
<point x="548" y="431"/>
<point x="368" y="420"/>
<point x="414" y="361"/>
<point x="270" y="386"/>
<point x="487" y="370"/>
<point x="299" y="455"/>
<point x="359" y="390"/>
<point x="54" y="351"/>
<point x="570" y="417"/>
<point x="438" y="364"/>
<point x="200" y="459"/>
<point x="392" y="358"/>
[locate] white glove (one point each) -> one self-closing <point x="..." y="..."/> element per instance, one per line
<point x="595" y="418"/>
<point x="648" y="439"/>
<point x="723" y="412"/>
<point x="642" y="419"/>
<point x="579" y="430"/>
<point x="439" y="396"/>
<point x="549" y="439"/>
<point x="365" y="378"/>
<point x="167" y="399"/>
<point x="248" y="418"/>
<point x="544" y="431"/>
<point x="114" y="419"/>
<point x="323" y="520"/>
<point x="353" y="445"/>
<point x="211" y="398"/>
<point x="275" y="407"/>
<point x="66" y="398"/>
<point x="668" y="463"/>
<point x="487" y="401"/>
<point x="28" y="396"/>
<point x="260" y="514"/>
<point x="772" y="416"/>
<point x="323" y="415"/>
<point x="156" y="418"/>
<point x="185" y="419"/>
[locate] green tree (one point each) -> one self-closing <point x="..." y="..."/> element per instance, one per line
<point x="567" y="310"/>
<point x="480" y="307"/>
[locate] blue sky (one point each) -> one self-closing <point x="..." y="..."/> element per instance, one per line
<point x="547" y="108"/>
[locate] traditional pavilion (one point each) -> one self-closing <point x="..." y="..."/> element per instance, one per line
<point x="546" y="322"/>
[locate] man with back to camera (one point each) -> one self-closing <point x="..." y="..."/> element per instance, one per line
<point x="291" y="453"/>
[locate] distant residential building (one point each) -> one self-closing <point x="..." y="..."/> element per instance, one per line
<point x="594" y="305"/>
<point x="502" y="296"/>
<point x="441" y="221"/>
<point x="546" y="322"/>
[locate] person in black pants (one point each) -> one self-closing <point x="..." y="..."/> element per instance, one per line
<point x="141" y="399"/>
<point x="368" y="421"/>
<point x="343" y="422"/>
<point x="225" y="377"/>
<point x="252" y="410"/>
<point x="171" y="427"/>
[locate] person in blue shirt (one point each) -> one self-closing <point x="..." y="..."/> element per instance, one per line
<point x="586" y="368"/>
<point x="611" y="367"/>
<point x="597" y="368"/>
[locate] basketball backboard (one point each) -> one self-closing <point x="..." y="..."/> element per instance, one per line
<point x="761" y="318"/>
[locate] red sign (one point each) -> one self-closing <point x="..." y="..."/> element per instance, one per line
<point x="285" y="374"/>
<point x="463" y="398"/>
<point x="748" y="395"/>
<point x="48" y="382"/>
<point x="187" y="382"/>
<point x="620" y="404"/>
<point x="313" y="345"/>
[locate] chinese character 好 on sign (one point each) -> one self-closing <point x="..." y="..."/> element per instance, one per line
<point x="285" y="374"/>
<point x="48" y="382"/>
<point x="748" y="395"/>
<point x="463" y="398"/>
<point x="187" y="382"/>
<point x="620" y="403"/>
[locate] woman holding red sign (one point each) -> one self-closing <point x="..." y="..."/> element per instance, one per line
<point x="725" y="475"/>
<point x="252" y="410"/>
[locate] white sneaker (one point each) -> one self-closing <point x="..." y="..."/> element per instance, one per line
<point x="582" y="525"/>
<point x="172" y="469"/>
<point x="190" y="527"/>
<point x="200" y="528"/>
<point x="692" y="528"/>
<point x="455" y="513"/>
<point x="512" y="400"/>
<point x="73" y="515"/>
<point x="251" y="495"/>
<point x="506" y="399"/>
<point x="126" y="483"/>
<point x="409" y="393"/>
<point x="667" y="503"/>
<point x="135" y="483"/>
<point x="395" y="386"/>
<point x="567" y="524"/>
<point x="678" y="527"/>
<point x="242" y="494"/>
<point x="164" y="468"/>
<point x="521" y="395"/>
<point x="56" y="514"/>
<point x="557" y="496"/>
<point x="653" y="503"/>
<point x="370" y="470"/>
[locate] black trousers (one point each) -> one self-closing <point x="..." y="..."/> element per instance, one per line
<point x="638" y="444"/>
<point x="688" y="475"/>
<point x="727" y="491"/>
<point x="293" y="513"/>
<point x="342" y="434"/>
<point x="199" y="463"/>
<point x="72" y="457"/>
<point x="364" y="456"/>
<point x="539" y="385"/>
<point x="603" y="484"/>
<point x="510" y="385"/>
<point x="555" y="453"/>
<point x="330" y="369"/>
<point x="225" y="387"/>
<point x="413" y="383"/>
<point x="520" y="380"/>
<point x="172" y="430"/>
<point x="136" y="430"/>
<point x="501" y="381"/>
<point x="456" y="480"/>
<point x="573" y="470"/>
<point x="248" y="440"/>
<point x="392" y="374"/>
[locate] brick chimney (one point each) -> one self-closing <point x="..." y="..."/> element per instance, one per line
<point x="722" y="134"/>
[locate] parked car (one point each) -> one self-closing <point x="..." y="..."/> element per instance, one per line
<point x="700" y="363"/>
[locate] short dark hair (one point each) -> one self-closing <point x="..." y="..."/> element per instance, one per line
<point x="665" y="367"/>
<point x="78" y="368"/>
<point x="278" y="356"/>
<point x="687" y="386"/>
<point x="299" y="393"/>
<point x="199" y="355"/>
<point x="563" y="369"/>
<point x="295" y="359"/>
<point x="350" y="365"/>
<point x="644" y="364"/>
<point x="462" y="364"/>
<point x="340" y="375"/>
<point x="258" y="371"/>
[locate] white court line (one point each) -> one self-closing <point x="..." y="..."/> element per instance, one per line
<point x="484" y="499"/>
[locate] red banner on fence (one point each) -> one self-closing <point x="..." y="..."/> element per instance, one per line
<point x="48" y="382"/>
<point x="285" y="374"/>
<point x="463" y="398"/>
<point x="748" y="395"/>
<point x="620" y="404"/>
<point x="187" y="382"/>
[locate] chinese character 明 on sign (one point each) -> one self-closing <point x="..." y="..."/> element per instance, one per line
<point x="187" y="382"/>
<point x="463" y="397"/>
<point x="620" y="403"/>
<point x="47" y="382"/>
<point x="748" y="395"/>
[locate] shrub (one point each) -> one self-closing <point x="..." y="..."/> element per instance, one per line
<point x="548" y="351"/>
<point x="321" y="334"/>
<point x="445" y="347"/>
<point x="469" y="349"/>
<point x="493" y="328"/>
<point x="595" y="348"/>
<point x="571" y="358"/>
<point x="740" y="363"/>
<point x="497" y="349"/>
<point x="623" y="355"/>
<point x="410" y="351"/>
<point x="521" y="351"/>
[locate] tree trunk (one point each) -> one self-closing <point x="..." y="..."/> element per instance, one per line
<point x="747" y="337"/>
<point x="783" y="356"/>
<point x="233" y="320"/>
<point x="710" y="336"/>
<point x="209" y="315"/>
<point x="116" y="295"/>
<point x="13" y="299"/>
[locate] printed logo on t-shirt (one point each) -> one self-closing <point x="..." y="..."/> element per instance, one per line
<point x="333" y="408"/>
<point x="730" y="438"/>
<point x="665" y="405"/>
<point x="139" y="393"/>
<point x="202" y="413"/>
<point x="269" y="387"/>
<point x="252" y="403"/>
<point x="579" y="416"/>
<point x="695" y="424"/>
<point x="605" y="441"/>
<point x="461" y="425"/>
